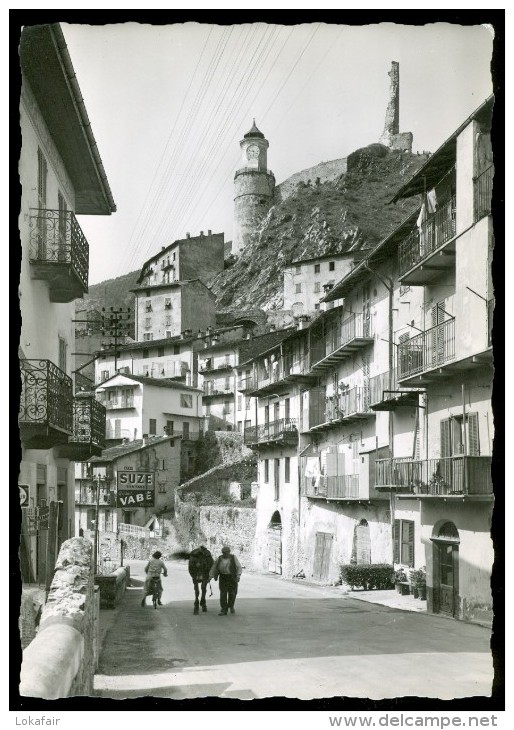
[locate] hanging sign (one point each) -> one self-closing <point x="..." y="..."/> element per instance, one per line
<point x="135" y="489"/>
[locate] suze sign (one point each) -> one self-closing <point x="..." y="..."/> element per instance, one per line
<point x="135" y="489"/>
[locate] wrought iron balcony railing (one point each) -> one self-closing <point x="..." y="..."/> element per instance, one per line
<point x="87" y="496"/>
<point x="431" y="235"/>
<point x="428" y="350"/>
<point x="88" y="423"/>
<point x="60" y="252"/>
<point x="483" y="189"/>
<point x="352" y="331"/>
<point x="340" y="486"/>
<point x="46" y="404"/>
<point x="445" y="476"/>
<point x="212" y="388"/>
<point x="217" y="365"/>
<point x="283" y="429"/>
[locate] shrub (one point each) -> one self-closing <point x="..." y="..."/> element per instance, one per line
<point x="379" y="576"/>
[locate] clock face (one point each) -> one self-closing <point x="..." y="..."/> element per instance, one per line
<point x="252" y="152"/>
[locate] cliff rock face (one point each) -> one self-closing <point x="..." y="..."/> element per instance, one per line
<point x="348" y="212"/>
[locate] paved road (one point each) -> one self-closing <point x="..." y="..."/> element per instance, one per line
<point x="285" y="639"/>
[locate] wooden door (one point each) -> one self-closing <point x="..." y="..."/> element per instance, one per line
<point x="275" y="549"/>
<point x="322" y="555"/>
<point x="448" y="583"/>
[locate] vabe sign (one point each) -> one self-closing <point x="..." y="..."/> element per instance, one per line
<point x="135" y="489"/>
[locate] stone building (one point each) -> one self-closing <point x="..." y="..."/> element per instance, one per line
<point x="254" y="186"/>
<point x="62" y="176"/>
<point x="307" y="281"/>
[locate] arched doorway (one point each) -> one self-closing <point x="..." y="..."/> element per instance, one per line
<point x="361" y="548"/>
<point x="275" y="544"/>
<point x="446" y="541"/>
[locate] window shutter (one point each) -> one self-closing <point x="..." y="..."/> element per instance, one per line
<point x="396" y="538"/>
<point x="474" y="440"/>
<point x="446" y="449"/>
<point x="411" y="543"/>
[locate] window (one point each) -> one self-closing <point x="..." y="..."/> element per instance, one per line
<point x="239" y="426"/>
<point x="168" y="334"/>
<point x="167" y="303"/>
<point x="287" y="469"/>
<point x="176" y="350"/>
<point x="317" y="287"/>
<point x="276" y="479"/>
<point x="160" y="352"/>
<point x="404" y="542"/>
<point x="266" y="471"/>
<point x="148" y="305"/>
<point x="185" y="429"/>
<point x="41" y="485"/>
<point x="147" y="336"/>
<point x="207" y="409"/>
<point x="453" y="435"/>
<point x="298" y="269"/>
<point x="186" y="400"/>
<point x="317" y="268"/>
<point x="287" y="408"/>
<point x="227" y="384"/>
<point x="239" y="402"/>
<point x="331" y="265"/>
<point x="316" y="306"/>
<point x="63" y="346"/>
<point x="104" y="375"/>
<point x="298" y="288"/>
<point x="148" y="322"/>
<point x="152" y="430"/>
<point x="226" y="407"/>
<point x="42" y="172"/>
<point x="146" y="353"/>
<point x="61" y="204"/>
<point x="167" y="322"/>
<point x="169" y="428"/>
<point x="248" y="423"/>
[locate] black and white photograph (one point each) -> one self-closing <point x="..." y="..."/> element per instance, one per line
<point x="258" y="443"/>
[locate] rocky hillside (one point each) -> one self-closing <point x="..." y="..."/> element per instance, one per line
<point x="334" y="207"/>
<point x="351" y="211"/>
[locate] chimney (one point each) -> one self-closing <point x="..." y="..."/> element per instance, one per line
<point x="182" y="335"/>
<point x="209" y="232"/>
<point x="201" y="234"/>
<point x="188" y="235"/>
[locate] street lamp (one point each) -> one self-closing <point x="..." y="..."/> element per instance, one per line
<point x="98" y="480"/>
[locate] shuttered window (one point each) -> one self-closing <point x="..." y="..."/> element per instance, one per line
<point x="446" y="441"/>
<point x="63" y="346"/>
<point x="42" y="172"/>
<point x="404" y="542"/>
<point x="266" y="471"/>
<point x="287" y="469"/>
<point x="474" y="440"/>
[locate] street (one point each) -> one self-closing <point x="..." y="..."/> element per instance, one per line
<point x="285" y="639"/>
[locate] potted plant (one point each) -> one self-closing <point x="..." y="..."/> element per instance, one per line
<point x="413" y="579"/>
<point x="401" y="582"/>
<point x="419" y="582"/>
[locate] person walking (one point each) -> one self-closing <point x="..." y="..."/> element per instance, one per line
<point x="153" y="569"/>
<point x="229" y="570"/>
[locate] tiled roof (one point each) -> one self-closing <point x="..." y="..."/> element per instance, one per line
<point x="115" y="452"/>
<point x="157" y="382"/>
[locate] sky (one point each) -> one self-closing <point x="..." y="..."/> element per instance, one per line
<point x="169" y="105"/>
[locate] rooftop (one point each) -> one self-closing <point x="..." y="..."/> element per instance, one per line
<point x="157" y="382"/>
<point x="171" y="285"/>
<point x="165" y="249"/>
<point x="115" y="452"/>
<point x="254" y="132"/>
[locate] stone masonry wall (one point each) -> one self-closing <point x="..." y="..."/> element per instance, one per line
<point x="234" y="526"/>
<point x="61" y="660"/>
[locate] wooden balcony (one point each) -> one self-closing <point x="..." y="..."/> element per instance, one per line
<point x="340" y="342"/>
<point x="88" y="437"/>
<point x="210" y="366"/>
<point x="213" y="390"/>
<point x="429" y="250"/>
<point x="446" y="477"/>
<point x="283" y="431"/>
<point x="347" y="407"/>
<point x="46" y="405"/>
<point x="337" y="487"/>
<point x="59" y="253"/>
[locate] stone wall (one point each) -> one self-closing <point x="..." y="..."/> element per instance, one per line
<point x="62" y="659"/>
<point x="234" y="526"/>
<point x="32" y="602"/>
<point x="324" y="171"/>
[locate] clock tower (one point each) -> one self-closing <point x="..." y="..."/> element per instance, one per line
<point x="254" y="187"/>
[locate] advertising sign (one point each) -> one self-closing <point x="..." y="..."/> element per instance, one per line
<point x="24" y="495"/>
<point x="135" y="489"/>
<point x="37" y="519"/>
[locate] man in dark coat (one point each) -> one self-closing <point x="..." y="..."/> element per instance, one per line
<point x="228" y="568"/>
<point x="200" y="563"/>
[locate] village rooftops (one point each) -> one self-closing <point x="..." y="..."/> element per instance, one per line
<point x="172" y="285"/>
<point x="444" y="157"/>
<point x="116" y="452"/>
<point x="381" y="252"/>
<point x="326" y="256"/>
<point x="145" y="380"/>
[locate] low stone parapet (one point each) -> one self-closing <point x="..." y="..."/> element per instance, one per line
<point x="62" y="658"/>
<point x="112" y="587"/>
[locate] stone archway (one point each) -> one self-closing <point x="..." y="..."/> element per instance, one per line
<point x="445" y="540"/>
<point x="274" y="542"/>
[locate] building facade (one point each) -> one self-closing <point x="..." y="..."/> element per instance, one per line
<point x="307" y="281"/>
<point x="62" y="176"/>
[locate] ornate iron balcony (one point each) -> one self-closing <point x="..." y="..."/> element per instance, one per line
<point x="88" y="438"/>
<point x="428" y="350"/>
<point x="46" y="404"/>
<point x="59" y="253"/>
<point x="282" y="430"/>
